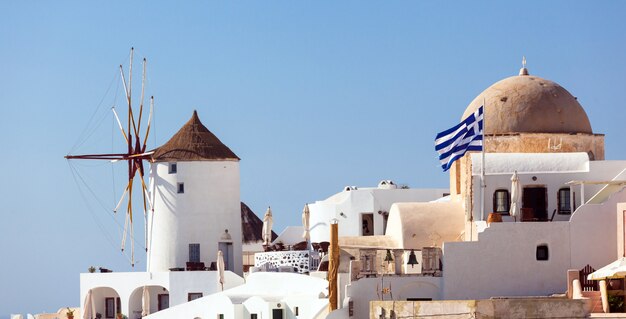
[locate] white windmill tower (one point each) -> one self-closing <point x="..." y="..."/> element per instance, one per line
<point x="194" y="185"/>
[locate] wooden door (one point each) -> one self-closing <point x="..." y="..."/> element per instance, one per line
<point x="535" y="197"/>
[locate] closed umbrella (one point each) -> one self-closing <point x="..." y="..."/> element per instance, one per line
<point x="145" y="302"/>
<point x="88" y="310"/>
<point x="267" y="227"/>
<point x="515" y="192"/>
<point x="220" y="267"/>
<point x="305" y="222"/>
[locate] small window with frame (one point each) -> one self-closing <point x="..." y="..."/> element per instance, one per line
<point x="542" y="252"/>
<point x="193" y="296"/>
<point x="180" y="189"/>
<point x="564" y="202"/>
<point x="501" y="201"/>
<point x="172" y="168"/>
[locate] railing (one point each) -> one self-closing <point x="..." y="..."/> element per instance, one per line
<point x="299" y="261"/>
<point x="586" y="284"/>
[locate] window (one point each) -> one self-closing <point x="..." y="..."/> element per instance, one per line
<point x="220" y="316"/>
<point x="193" y="296"/>
<point x="501" y="201"/>
<point x="253" y="316"/>
<point x="542" y="252"/>
<point x="172" y="169"/>
<point x="194" y="253"/>
<point x="296" y="311"/>
<point x="564" y="201"/>
<point x="277" y="314"/>
<point x="109" y="307"/>
<point x="181" y="188"/>
<point x="367" y="223"/>
<point x="163" y="302"/>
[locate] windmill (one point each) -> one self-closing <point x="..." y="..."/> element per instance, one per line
<point x="135" y="154"/>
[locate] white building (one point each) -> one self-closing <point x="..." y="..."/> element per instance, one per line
<point x="264" y="295"/>
<point x="363" y="211"/>
<point x="194" y="178"/>
<point x="194" y="183"/>
<point x="568" y="217"/>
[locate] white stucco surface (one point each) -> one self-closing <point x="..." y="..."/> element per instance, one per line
<point x="261" y="293"/>
<point x="290" y="235"/>
<point x="209" y="205"/>
<point x="417" y="225"/>
<point x="360" y="201"/>
<point x="503" y="262"/>
<point x="535" y="175"/>
<point x="507" y="163"/>
<point x="128" y="287"/>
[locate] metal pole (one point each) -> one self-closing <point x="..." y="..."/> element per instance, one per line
<point x="482" y="169"/>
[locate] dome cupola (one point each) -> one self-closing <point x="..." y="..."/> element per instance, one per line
<point x="530" y="104"/>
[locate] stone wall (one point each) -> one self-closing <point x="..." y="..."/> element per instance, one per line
<point x="491" y="308"/>
<point x="546" y="143"/>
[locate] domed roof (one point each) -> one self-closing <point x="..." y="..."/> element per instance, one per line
<point x="193" y="142"/>
<point x="530" y="104"/>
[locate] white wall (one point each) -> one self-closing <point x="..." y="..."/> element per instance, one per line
<point x="503" y="262"/>
<point x="118" y="284"/>
<point x="128" y="286"/>
<point x="593" y="233"/>
<point x="209" y="205"/>
<point x="184" y="282"/>
<point x="262" y="293"/>
<point x="553" y="181"/>
<point x="206" y="307"/>
<point x="356" y="202"/>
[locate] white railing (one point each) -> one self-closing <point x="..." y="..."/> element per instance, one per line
<point x="300" y="261"/>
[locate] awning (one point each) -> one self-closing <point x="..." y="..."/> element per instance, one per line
<point x="616" y="269"/>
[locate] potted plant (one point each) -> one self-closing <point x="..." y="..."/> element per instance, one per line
<point x="91" y="269"/>
<point x="121" y="316"/>
<point x="70" y="313"/>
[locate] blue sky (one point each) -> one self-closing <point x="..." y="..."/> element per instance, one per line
<point x="313" y="96"/>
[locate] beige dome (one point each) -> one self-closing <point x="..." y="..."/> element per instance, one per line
<point x="530" y="104"/>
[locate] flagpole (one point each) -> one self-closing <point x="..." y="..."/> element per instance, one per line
<point x="482" y="168"/>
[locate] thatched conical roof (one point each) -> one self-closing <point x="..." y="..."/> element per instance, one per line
<point x="193" y="142"/>
<point x="252" y="225"/>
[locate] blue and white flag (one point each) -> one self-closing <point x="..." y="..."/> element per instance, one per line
<point x="452" y="143"/>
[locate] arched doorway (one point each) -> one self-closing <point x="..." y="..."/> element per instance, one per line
<point x="106" y="302"/>
<point x="159" y="300"/>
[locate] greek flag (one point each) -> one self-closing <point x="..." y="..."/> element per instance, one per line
<point x="452" y="143"/>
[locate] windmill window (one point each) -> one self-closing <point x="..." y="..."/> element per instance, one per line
<point x="172" y="169"/>
<point x="501" y="201"/>
<point x="194" y="253"/>
<point x="564" y="201"/>
<point x="181" y="188"/>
